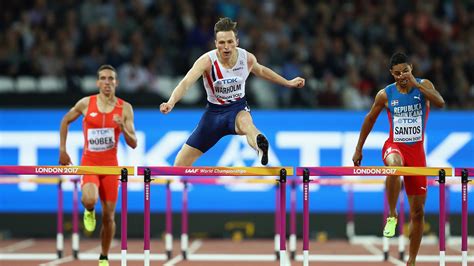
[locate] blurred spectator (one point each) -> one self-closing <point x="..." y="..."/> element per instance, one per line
<point x="133" y="75"/>
<point x="351" y="40"/>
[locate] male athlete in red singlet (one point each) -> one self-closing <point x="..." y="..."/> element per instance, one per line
<point x="105" y="117"/>
<point x="407" y="102"/>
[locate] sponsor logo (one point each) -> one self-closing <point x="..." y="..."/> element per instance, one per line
<point x="93" y="114"/>
<point x="191" y="171"/>
<point x="417" y="98"/>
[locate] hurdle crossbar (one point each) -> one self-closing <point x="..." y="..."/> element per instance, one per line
<point x="214" y="171"/>
<point x="64" y="170"/>
<point x="372" y="171"/>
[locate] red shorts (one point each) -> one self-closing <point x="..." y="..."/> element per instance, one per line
<point x="412" y="155"/>
<point x="107" y="184"/>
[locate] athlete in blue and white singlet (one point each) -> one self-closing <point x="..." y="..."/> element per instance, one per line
<point x="224" y="72"/>
<point x="407" y="102"/>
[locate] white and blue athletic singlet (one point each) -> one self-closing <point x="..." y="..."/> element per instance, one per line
<point x="226" y="85"/>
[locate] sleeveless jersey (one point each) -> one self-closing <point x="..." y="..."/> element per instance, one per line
<point x="223" y="85"/>
<point x="101" y="133"/>
<point x="407" y="115"/>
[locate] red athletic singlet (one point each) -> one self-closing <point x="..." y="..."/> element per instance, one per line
<point x="101" y="134"/>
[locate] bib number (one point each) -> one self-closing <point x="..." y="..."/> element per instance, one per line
<point x="100" y="139"/>
<point x="407" y="129"/>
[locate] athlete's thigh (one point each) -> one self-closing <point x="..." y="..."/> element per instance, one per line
<point x="108" y="190"/>
<point x="187" y="156"/>
<point x="243" y="121"/>
<point x="208" y="132"/>
<point x="392" y="155"/>
<point x="415" y="157"/>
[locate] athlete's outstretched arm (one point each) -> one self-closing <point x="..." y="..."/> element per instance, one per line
<point x="69" y="117"/>
<point x="127" y="125"/>
<point x="197" y="70"/>
<point x="369" y="121"/>
<point x="270" y="75"/>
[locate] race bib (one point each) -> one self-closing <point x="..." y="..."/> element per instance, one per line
<point x="100" y="139"/>
<point x="229" y="88"/>
<point x="407" y="129"/>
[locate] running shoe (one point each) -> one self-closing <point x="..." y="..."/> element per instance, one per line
<point x="103" y="263"/>
<point x="390" y="226"/>
<point x="262" y="148"/>
<point x="89" y="222"/>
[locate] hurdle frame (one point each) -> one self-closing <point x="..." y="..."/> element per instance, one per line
<point x="306" y="172"/>
<point x="224" y="171"/>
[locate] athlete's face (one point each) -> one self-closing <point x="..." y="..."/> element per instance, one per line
<point x="399" y="73"/>
<point x="107" y="82"/>
<point x="226" y="43"/>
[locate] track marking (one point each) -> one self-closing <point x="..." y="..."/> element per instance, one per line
<point x="71" y="258"/>
<point x="18" y="246"/>
<point x="375" y="251"/>
<point x="195" y="245"/>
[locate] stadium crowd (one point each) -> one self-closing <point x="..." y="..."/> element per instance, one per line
<point x="341" y="47"/>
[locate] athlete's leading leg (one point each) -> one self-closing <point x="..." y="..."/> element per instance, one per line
<point x="392" y="190"/>
<point x="417" y="217"/>
<point x="244" y="126"/>
<point x="187" y="156"/>
<point x="107" y="230"/>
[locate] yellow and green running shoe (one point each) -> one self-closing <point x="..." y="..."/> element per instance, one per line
<point x="390" y="226"/>
<point x="103" y="263"/>
<point x="89" y="222"/>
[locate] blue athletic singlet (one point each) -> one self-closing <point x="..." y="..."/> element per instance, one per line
<point x="407" y="114"/>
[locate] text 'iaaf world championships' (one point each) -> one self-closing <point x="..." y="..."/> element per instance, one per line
<point x="215" y="171"/>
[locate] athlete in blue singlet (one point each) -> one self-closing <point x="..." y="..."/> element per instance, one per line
<point x="407" y="102"/>
<point x="224" y="72"/>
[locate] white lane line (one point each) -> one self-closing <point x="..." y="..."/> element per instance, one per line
<point x="375" y="251"/>
<point x="195" y="245"/>
<point x="18" y="246"/>
<point x="71" y="258"/>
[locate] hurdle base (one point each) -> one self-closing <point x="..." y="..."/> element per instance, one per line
<point x="401" y="256"/>
<point x="184" y="253"/>
<point x="168" y="254"/>
<point x="277" y="255"/>
<point x="60" y="254"/>
<point x="293" y="255"/>
<point x="75" y="254"/>
<point x="385" y="256"/>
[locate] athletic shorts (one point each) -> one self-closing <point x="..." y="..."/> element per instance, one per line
<point x="412" y="155"/>
<point x="216" y="122"/>
<point x="107" y="184"/>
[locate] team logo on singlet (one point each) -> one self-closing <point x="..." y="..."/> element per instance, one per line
<point x="93" y="114"/>
<point x="394" y="103"/>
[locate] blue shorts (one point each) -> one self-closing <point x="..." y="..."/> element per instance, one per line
<point x="217" y="122"/>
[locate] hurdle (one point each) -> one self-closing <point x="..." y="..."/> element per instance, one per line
<point x="306" y="172"/>
<point x="69" y="171"/>
<point x="207" y="176"/>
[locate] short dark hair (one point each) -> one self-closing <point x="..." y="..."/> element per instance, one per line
<point x="109" y="67"/>
<point x="225" y="24"/>
<point x="398" y="58"/>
